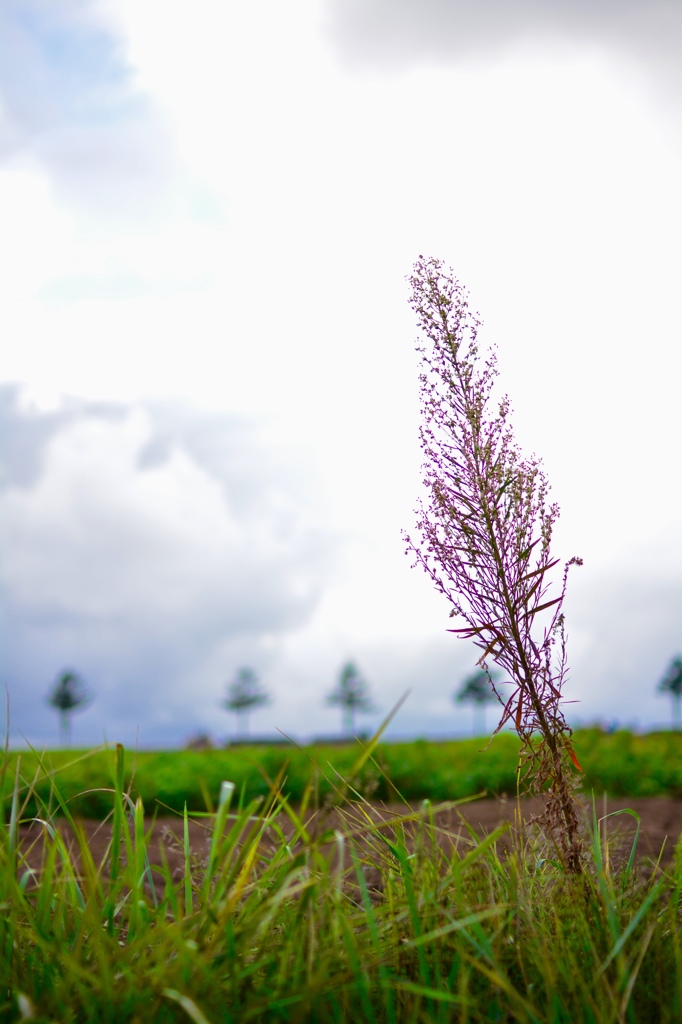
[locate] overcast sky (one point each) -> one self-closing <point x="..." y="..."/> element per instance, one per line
<point x="208" y="390"/>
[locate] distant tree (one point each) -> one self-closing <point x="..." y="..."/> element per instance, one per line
<point x="352" y="695"/>
<point x="476" y="690"/>
<point x="672" y="683"/>
<point x="243" y="694"/>
<point x="67" y="696"/>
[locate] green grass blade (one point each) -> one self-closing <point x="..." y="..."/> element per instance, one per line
<point x="188" y="864"/>
<point x="188" y="1005"/>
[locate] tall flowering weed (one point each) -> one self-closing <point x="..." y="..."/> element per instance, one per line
<point x="484" y="537"/>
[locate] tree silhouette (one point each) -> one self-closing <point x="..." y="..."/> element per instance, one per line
<point x="352" y="695"/>
<point x="672" y="683"/>
<point x="476" y="690"/>
<point x="68" y="695"/>
<point x="243" y="694"/>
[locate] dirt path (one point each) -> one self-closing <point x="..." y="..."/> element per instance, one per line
<point x="661" y="823"/>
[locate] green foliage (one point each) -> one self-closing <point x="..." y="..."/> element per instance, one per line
<point x="671" y="683"/>
<point x="672" y="680"/>
<point x="243" y="694"/>
<point x="619" y="763"/>
<point x="624" y="764"/>
<point x="351" y="694"/>
<point x="291" y="916"/>
<point x="476" y="689"/>
<point x="67" y="696"/>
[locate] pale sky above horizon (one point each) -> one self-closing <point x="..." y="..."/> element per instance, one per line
<point x="208" y="393"/>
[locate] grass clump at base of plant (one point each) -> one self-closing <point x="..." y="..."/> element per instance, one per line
<point x="325" y="913"/>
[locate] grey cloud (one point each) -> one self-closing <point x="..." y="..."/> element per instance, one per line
<point x="26" y="433"/>
<point x="627" y="628"/>
<point x="155" y="550"/>
<point x="623" y="630"/>
<point x="403" y="33"/>
<point x="233" y="450"/>
<point x="106" y="574"/>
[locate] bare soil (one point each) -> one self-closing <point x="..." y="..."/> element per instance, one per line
<point x="661" y="826"/>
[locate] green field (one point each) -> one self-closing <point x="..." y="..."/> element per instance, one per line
<point x="293" y="914"/>
<point x="621" y="764"/>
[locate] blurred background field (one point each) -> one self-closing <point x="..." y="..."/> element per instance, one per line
<point x="621" y="764"/>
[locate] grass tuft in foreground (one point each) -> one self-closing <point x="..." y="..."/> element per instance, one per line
<point x="337" y="913"/>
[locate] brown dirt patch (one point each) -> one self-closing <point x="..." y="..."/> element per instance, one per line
<point x="661" y="826"/>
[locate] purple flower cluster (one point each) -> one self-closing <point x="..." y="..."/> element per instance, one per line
<point x="484" y="536"/>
